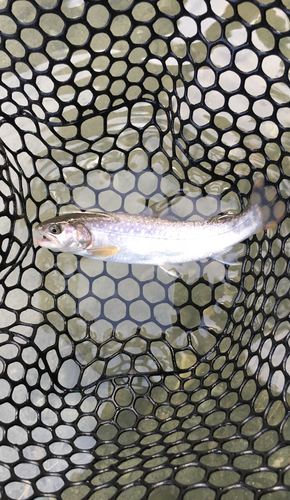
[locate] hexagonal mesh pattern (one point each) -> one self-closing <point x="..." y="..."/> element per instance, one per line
<point x="120" y="381"/>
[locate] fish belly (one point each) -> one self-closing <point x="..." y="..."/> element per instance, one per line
<point x="147" y="249"/>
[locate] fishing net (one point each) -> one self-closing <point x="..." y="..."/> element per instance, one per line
<point x="122" y="381"/>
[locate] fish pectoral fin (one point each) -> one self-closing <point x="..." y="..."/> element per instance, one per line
<point x="231" y="256"/>
<point x="103" y="252"/>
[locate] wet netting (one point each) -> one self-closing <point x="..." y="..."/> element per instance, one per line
<point x="120" y="381"/>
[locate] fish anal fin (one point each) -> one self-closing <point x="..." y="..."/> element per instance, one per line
<point x="174" y="270"/>
<point x="189" y="272"/>
<point x="231" y="256"/>
<point x="103" y="252"/>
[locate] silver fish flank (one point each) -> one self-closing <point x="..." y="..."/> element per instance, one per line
<point x="136" y="239"/>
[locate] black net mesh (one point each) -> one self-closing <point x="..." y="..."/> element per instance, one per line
<point x="121" y="381"/>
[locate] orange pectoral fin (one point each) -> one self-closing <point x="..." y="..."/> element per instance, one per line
<point x="103" y="252"/>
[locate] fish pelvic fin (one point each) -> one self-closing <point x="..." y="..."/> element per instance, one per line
<point x="270" y="207"/>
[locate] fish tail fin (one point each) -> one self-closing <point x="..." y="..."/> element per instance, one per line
<point x="265" y="201"/>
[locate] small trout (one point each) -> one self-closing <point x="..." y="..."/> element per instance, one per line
<point x="136" y="239"/>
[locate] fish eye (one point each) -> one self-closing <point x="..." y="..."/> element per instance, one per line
<point x="55" y="229"/>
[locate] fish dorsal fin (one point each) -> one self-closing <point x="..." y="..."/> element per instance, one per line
<point x="103" y="251"/>
<point x="102" y="215"/>
<point x="160" y="209"/>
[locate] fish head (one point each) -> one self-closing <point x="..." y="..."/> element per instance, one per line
<point x="61" y="235"/>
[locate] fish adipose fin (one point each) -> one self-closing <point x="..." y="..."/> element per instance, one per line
<point x="271" y="209"/>
<point x="103" y="252"/>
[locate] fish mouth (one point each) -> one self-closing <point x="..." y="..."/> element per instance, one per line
<point x="41" y="239"/>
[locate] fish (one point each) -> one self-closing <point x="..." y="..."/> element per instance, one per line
<point x="137" y="239"/>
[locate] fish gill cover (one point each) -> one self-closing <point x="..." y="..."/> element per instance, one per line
<point x="122" y="381"/>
